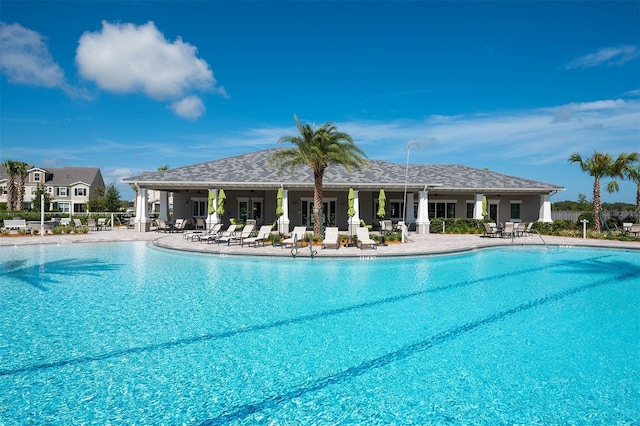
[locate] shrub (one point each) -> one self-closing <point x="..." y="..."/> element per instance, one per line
<point x="84" y="229"/>
<point x="59" y="229"/>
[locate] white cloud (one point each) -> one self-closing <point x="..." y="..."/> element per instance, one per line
<point x="610" y="56"/>
<point x="125" y="58"/>
<point x="26" y="59"/>
<point x="190" y="107"/>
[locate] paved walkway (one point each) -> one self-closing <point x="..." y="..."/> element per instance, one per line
<point x="418" y="244"/>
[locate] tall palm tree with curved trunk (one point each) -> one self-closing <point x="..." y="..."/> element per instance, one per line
<point x="11" y="169"/>
<point x="601" y="165"/>
<point x="22" y="171"/>
<point x="318" y="148"/>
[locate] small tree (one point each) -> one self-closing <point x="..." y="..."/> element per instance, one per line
<point x="632" y="173"/>
<point x="35" y="204"/>
<point x="111" y="198"/>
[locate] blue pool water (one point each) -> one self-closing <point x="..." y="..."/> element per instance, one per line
<point x="126" y="334"/>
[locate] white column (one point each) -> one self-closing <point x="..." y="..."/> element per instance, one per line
<point x="164" y="205"/>
<point x="283" y="221"/>
<point x="423" y="222"/>
<point x="142" y="221"/>
<point x="545" y="209"/>
<point x="410" y="204"/>
<point x="477" y="207"/>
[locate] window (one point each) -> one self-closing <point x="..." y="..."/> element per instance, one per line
<point x="328" y="212"/>
<point x="33" y="190"/>
<point x="470" y="208"/>
<point x="249" y="208"/>
<point x="199" y="208"/>
<point x="80" y="192"/>
<point x="79" y="208"/>
<point x="61" y="192"/>
<point x="64" y="207"/>
<point x="36" y="176"/>
<point x="396" y="209"/>
<point x="444" y="209"/>
<point x="3" y="190"/>
<point x="515" y="209"/>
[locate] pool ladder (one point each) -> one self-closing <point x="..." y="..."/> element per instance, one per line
<point x="295" y="249"/>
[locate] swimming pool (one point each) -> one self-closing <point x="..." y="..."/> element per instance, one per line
<point x="120" y="333"/>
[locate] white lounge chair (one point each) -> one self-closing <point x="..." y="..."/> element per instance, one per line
<point x="231" y="230"/>
<point x="263" y="235"/>
<point x="196" y="235"/>
<point x="296" y="235"/>
<point x="246" y="233"/>
<point x="364" y="239"/>
<point x="331" y="238"/>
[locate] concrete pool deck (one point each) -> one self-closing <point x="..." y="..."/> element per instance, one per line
<point x="417" y="245"/>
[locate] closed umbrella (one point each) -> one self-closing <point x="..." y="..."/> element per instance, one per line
<point x="279" y="197"/>
<point x="484" y="206"/>
<point x="381" y="204"/>
<point x="221" y="198"/>
<point x="351" y="211"/>
<point x="212" y="207"/>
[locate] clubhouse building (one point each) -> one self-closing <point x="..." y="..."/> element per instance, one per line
<point x="250" y="188"/>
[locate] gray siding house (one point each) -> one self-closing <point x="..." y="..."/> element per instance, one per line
<point x="428" y="191"/>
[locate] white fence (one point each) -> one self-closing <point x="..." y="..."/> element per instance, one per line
<point x="574" y="215"/>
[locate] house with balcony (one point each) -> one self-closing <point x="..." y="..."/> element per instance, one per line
<point x="69" y="187"/>
<point x="415" y="193"/>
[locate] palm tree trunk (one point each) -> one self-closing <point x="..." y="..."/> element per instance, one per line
<point x="10" y="191"/>
<point x="597" y="205"/>
<point x="317" y="200"/>
<point x="21" y="191"/>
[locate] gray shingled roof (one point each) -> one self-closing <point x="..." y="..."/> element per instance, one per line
<point x="63" y="176"/>
<point x="252" y="170"/>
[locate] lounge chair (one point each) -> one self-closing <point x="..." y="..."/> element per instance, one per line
<point x="161" y="226"/>
<point x="77" y="222"/>
<point x="296" y="235"/>
<point x="246" y="233"/>
<point x="491" y="229"/>
<point x="331" y="238"/>
<point x="231" y="230"/>
<point x="263" y="235"/>
<point x="91" y="223"/>
<point x="364" y="239"/>
<point x="102" y="223"/>
<point x="200" y="223"/>
<point x="196" y="235"/>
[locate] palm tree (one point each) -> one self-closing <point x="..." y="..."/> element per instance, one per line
<point x="632" y="172"/>
<point x="318" y="148"/>
<point x="599" y="166"/>
<point x="10" y="167"/>
<point x="22" y="171"/>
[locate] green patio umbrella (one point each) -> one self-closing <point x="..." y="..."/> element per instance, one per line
<point x="484" y="206"/>
<point x="382" y="198"/>
<point x="221" y="198"/>
<point x="351" y="212"/>
<point x="279" y="197"/>
<point x="212" y="207"/>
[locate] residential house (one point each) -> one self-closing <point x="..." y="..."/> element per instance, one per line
<point x="68" y="187"/>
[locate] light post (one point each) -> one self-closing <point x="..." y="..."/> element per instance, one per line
<point x="409" y="145"/>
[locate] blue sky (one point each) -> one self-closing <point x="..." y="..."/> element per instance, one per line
<point x="130" y="86"/>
